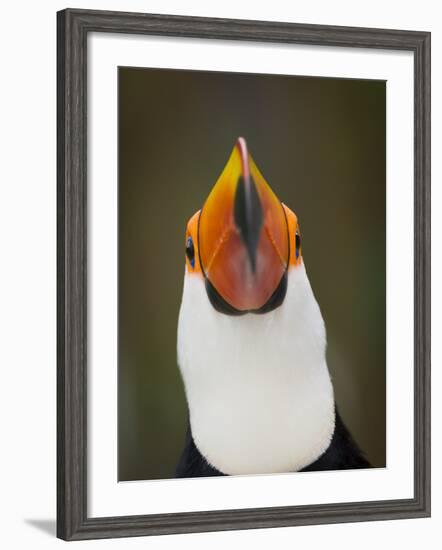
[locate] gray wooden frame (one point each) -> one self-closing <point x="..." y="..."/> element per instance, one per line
<point x="73" y="27"/>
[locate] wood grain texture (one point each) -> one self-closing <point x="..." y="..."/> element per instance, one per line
<point x="72" y="29"/>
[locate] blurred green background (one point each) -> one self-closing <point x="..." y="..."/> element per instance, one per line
<point x="320" y="143"/>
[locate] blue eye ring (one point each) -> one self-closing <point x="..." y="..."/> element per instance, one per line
<point x="190" y="251"/>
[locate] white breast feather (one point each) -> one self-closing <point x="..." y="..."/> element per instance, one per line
<point x="258" y="388"/>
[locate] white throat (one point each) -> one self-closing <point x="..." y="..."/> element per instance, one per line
<point x="258" y="388"/>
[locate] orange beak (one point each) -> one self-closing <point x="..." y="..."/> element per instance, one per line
<point x="243" y="237"/>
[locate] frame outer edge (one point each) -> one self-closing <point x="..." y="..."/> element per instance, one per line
<point x="422" y="308"/>
<point x="241" y="29"/>
<point x="61" y="105"/>
<point x="71" y="276"/>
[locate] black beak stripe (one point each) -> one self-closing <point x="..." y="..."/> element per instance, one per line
<point x="248" y="216"/>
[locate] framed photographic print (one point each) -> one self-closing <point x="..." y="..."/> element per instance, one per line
<point x="243" y="274"/>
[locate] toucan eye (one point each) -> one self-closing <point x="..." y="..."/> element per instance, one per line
<point x="190" y="251"/>
<point x="297" y="243"/>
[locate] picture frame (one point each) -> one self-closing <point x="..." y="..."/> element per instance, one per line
<point x="73" y="28"/>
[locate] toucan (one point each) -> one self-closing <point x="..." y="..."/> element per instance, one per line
<point x="251" y="339"/>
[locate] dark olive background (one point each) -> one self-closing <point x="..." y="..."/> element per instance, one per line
<point x="320" y="143"/>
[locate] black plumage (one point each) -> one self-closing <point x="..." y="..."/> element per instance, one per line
<point x="342" y="454"/>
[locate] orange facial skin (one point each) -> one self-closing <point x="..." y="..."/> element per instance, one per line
<point x="293" y="230"/>
<point x="244" y="239"/>
<point x="192" y="231"/>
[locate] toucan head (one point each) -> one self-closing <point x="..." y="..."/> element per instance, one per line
<point x="243" y="241"/>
